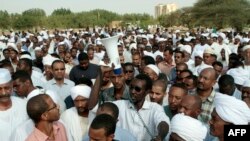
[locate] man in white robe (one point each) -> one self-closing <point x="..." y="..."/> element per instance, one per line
<point x="12" y="109"/>
<point x="76" y="118"/>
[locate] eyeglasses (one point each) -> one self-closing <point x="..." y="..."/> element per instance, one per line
<point x="55" y="106"/>
<point x="136" y="88"/>
<point x="128" y="71"/>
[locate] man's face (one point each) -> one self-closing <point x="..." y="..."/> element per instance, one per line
<point x="157" y="94"/>
<point x="73" y="53"/>
<point x="175" y="96"/>
<point x="184" y="76"/>
<point x="52" y="113"/>
<point x="20" y="87"/>
<point x="21" y="65"/>
<point x="207" y="58"/>
<point x="90" y="54"/>
<point x="5" y="92"/>
<point x="206" y="80"/>
<point x="218" y="69"/>
<point x="246" y="55"/>
<point x="120" y="50"/>
<point x="179" y="68"/>
<point x="189" y="83"/>
<point x="148" y="71"/>
<point x="81" y="104"/>
<point x="188" y="107"/>
<point x="136" y="60"/>
<point x="99" y="135"/>
<point x="197" y="60"/>
<point x="106" y="78"/>
<point x="129" y="72"/>
<point x="118" y="80"/>
<point x="137" y="90"/>
<point x="58" y="70"/>
<point x="167" y="55"/>
<point x="84" y="64"/>
<point x="6" y="54"/>
<point x="13" y="54"/>
<point x="245" y="92"/>
<point x="216" y="125"/>
<point x="178" y="58"/>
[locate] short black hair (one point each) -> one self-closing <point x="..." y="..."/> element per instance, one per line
<point x="170" y="50"/>
<point x="110" y="107"/>
<point x="56" y="61"/>
<point x="104" y="121"/>
<point x="226" y="80"/>
<point x="188" y="71"/>
<point x="147" y="79"/>
<point x="218" y="63"/>
<point x="181" y="86"/>
<point x="27" y="62"/>
<point x="83" y="56"/>
<point x="148" y="60"/>
<point x="181" y="52"/>
<point x="36" y="106"/>
<point x="84" y="80"/>
<point x="22" y="76"/>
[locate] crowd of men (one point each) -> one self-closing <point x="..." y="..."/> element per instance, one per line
<point x="174" y="85"/>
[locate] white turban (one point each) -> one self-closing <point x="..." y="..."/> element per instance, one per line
<point x="231" y="109"/>
<point x="188" y="128"/>
<point x="186" y="48"/>
<point x="240" y="75"/>
<point x="246" y="83"/>
<point x="222" y="35"/>
<point x="80" y="90"/>
<point x="133" y="45"/>
<point x="154" y="68"/>
<point x="4" y="76"/>
<point x="198" y="53"/>
<point x="27" y="56"/>
<point x="48" y="60"/>
<point x="209" y="50"/>
<point x="246" y="47"/>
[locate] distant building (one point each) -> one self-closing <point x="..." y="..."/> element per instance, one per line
<point x="164" y="9"/>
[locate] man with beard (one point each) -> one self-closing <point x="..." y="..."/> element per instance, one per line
<point x="10" y="107"/>
<point x="59" y="84"/>
<point x="84" y="69"/>
<point x="76" y="118"/>
<point x="45" y="114"/>
<point x="205" y="91"/>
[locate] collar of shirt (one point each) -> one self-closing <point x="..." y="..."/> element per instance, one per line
<point x="211" y="97"/>
<point x="145" y="106"/>
<point x="43" y="137"/>
<point x="54" y="81"/>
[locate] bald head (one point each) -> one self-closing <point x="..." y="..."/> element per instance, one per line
<point x="190" y="105"/>
<point x="211" y="72"/>
<point x="206" y="79"/>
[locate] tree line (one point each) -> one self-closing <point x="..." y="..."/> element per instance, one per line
<point x="207" y="13"/>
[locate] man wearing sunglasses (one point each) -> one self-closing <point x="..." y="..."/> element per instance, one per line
<point x="145" y="120"/>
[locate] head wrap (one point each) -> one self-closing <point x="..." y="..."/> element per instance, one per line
<point x="154" y="68"/>
<point x="231" y="109"/>
<point x="80" y="90"/>
<point x="48" y="60"/>
<point x="188" y="128"/>
<point x="246" y="47"/>
<point x="246" y="83"/>
<point x="186" y="48"/>
<point x="240" y="75"/>
<point x="5" y="76"/>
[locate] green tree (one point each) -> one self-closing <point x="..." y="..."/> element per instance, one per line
<point x="61" y="11"/>
<point x="4" y="19"/>
<point x="221" y="13"/>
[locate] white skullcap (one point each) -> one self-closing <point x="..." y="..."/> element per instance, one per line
<point x="101" y="63"/>
<point x="188" y="128"/>
<point x="186" y="48"/>
<point x="80" y="90"/>
<point x="209" y="50"/>
<point x="154" y="68"/>
<point x="246" y="47"/>
<point x="27" y="56"/>
<point x="39" y="38"/>
<point x="23" y="39"/>
<point x="245" y="40"/>
<point x="161" y="40"/>
<point x="150" y="36"/>
<point x="238" y="37"/>
<point x="188" y="39"/>
<point x="177" y="31"/>
<point x="48" y="60"/>
<point x="202" y="67"/>
<point x="51" y="35"/>
<point x="246" y="83"/>
<point x="38" y="49"/>
<point x="12" y="46"/>
<point x="231" y="109"/>
<point x="240" y="75"/>
<point x="5" y="76"/>
<point x="222" y="35"/>
<point x="133" y="45"/>
<point x="214" y="35"/>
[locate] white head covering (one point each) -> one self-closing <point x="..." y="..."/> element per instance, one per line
<point x="240" y="75"/>
<point x="186" y="48"/>
<point x="27" y="56"/>
<point x="48" y="60"/>
<point x="133" y="45"/>
<point x="209" y="50"/>
<point x="13" y="46"/>
<point x="198" y="53"/>
<point x="246" y="47"/>
<point x="231" y="109"/>
<point x="246" y="83"/>
<point x="154" y="68"/>
<point x="80" y="90"/>
<point x="222" y="35"/>
<point x="188" y="128"/>
<point x="5" y="76"/>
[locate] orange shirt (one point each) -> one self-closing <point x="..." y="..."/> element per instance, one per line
<point x="58" y="129"/>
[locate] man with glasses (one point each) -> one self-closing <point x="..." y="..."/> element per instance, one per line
<point x="45" y="114"/>
<point x="145" y="120"/>
<point x="129" y="72"/>
<point x="59" y="84"/>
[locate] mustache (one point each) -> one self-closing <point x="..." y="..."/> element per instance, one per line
<point x="4" y="96"/>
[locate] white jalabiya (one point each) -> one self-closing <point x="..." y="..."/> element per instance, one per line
<point x="188" y="128"/>
<point x="12" y="117"/>
<point x="76" y="125"/>
<point x="231" y="109"/>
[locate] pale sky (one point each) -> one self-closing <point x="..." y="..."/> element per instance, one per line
<point x="118" y="6"/>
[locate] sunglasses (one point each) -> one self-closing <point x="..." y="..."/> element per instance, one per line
<point x="136" y="88"/>
<point x="128" y="71"/>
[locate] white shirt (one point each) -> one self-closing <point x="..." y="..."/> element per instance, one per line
<point x="12" y="117"/>
<point x="151" y="113"/>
